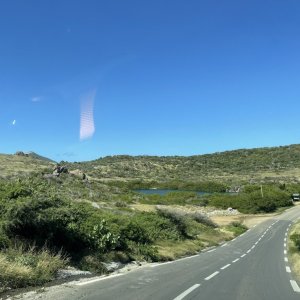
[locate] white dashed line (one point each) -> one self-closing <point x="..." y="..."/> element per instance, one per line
<point x="235" y="260"/>
<point x="212" y="275"/>
<point x="249" y="251"/>
<point x="188" y="291"/>
<point x="286" y="259"/>
<point x="243" y="255"/>
<point x="284" y="251"/>
<point x="284" y="245"/>
<point x="288" y="269"/>
<point x="224" y="245"/>
<point x="253" y="247"/>
<point x="295" y="286"/>
<point x="223" y="268"/>
<point x="285" y="239"/>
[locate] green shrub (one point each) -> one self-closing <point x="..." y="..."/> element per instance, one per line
<point x="142" y="251"/>
<point x="252" y="200"/>
<point x="296" y="239"/>
<point x="101" y="239"/>
<point x="177" y="217"/>
<point x="4" y="240"/>
<point x="237" y="228"/>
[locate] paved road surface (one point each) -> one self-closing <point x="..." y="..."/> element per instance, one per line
<point x="254" y="266"/>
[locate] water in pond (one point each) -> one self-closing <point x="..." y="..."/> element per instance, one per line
<point x="165" y="191"/>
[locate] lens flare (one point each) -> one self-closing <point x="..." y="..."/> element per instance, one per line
<point x="87" y="126"/>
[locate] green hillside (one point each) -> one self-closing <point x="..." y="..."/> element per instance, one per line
<point x="237" y="166"/>
<point x="261" y="164"/>
<point x="19" y="165"/>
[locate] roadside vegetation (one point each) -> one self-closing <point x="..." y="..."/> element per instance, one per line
<point x="294" y="249"/>
<point x="50" y="222"/>
<point x="45" y="224"/>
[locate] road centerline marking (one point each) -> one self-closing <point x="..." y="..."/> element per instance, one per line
<point x="235" y="260"/>
<point x="243" y="255"/>
<point x="212" y="275"/>
<point x="223" y="268"/>
<point x="288" y="269"/>
<point x="188" y="291"/>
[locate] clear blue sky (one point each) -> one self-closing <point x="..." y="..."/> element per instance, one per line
<point x="168" y="77"/>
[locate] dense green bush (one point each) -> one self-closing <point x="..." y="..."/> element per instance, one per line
<point x="251" y="200"/>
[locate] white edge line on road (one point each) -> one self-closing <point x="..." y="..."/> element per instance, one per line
<point x="212" y="275"/>
<point x="184" y="258"/>
<point x="284" y="251"/>
<point x="97" y="279"/>
<point x="224" y="245"/>
<point x="235" y="260"/>
<point x="212" y="250"/>
<point x="185" y="293"/>
<point x="223" y="268"/>
<point x="286" y="259"/>
<point x="288" y="269"/>
<point x="285" y="239"/>
<point x="295" y="286"/>
<point x="284" y="245"/>
<point x="161" y="264"/>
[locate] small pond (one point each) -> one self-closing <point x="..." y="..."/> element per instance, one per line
<point x="165" y="191"/>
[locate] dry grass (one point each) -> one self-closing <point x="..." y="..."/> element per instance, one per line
<point x="294" y="253"/>
<point x="13" y="165"/>
<point x="21" y="267"/>
<point x="170" y="250"/>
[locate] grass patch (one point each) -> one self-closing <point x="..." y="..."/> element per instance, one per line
<point x="168" y="250"/>
<point x="20" y="267"/>
<point x="236" y="228"/>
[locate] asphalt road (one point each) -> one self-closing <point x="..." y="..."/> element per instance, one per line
<point x="253" y="266"/>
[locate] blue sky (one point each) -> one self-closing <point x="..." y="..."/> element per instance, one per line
<point x="167" y="77"/>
